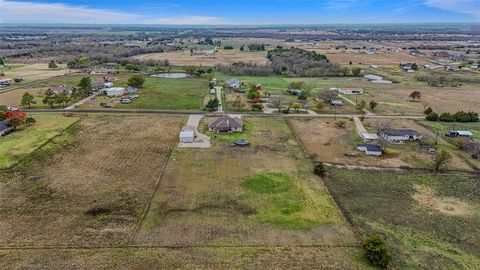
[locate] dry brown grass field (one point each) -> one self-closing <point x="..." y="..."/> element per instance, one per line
<point x="184" y="58"/>
<point x="89" y="186"/>
<point x="33" y="72"/>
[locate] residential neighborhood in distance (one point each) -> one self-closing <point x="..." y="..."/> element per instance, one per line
<point x="250" y="135"/>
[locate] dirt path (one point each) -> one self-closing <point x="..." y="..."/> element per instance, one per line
<point x="73" y="106"/>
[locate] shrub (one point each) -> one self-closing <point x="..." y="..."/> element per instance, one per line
<point x="446" y="117"/>
<point x="428" y="111"/>
<point x="377" y="252"/>
<point x="433" y="117"/>
<point x="319" y="169"/>
<point x="340" y="124"/>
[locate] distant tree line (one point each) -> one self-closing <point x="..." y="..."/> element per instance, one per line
<point x="291" y="62"/>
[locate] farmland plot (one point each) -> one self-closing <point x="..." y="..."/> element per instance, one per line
<point x="89" y="185"/>
<point x="263" y="195"/>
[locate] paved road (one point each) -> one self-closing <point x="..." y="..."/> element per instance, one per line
<point x="135" y="111"/>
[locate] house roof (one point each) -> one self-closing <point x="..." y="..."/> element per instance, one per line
<point x="371" y="147"/>
<point x="462" y="132"/>
<point x="400" y="132"/>
<point x="4" y="126"/>
<point x="60" y="89"/>
<point x="233" y="82"/>
<point x="226" y="122"/>
<point x="370" y="136"/>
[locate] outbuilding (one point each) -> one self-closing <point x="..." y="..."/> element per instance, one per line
<point x="459" y="133"/>
<point x="370" y="149"/>
<point x="350" y="91"/>
<point x="187" y="134"/>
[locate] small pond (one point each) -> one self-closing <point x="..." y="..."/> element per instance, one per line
<point x="171" y="75"/>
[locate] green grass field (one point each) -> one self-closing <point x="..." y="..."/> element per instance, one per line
<point x="19" y="144"/>
<point x="430" y="221"/>
<point x="170" y="94"/>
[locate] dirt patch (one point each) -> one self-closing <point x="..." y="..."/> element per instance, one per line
<point x="426" y="196"/>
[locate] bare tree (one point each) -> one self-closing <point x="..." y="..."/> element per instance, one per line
<point x="277" y="103"/>
<point x="440" y="160"/>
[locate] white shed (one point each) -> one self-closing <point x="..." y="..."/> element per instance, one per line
<point x="187" y="134"/>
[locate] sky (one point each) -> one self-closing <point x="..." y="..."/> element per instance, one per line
<point x="242" y="12"/>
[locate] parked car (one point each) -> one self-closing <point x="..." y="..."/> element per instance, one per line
<point x="126" y="101"/>
<point x="133" y="96"/>
<point x="105" y="105"/>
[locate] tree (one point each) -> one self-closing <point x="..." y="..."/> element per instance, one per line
<point x="356" y="71"/>
<point x="30" y="121"/>
<point x="136" y="81"/>
<point x="433" y="117"/>
<point x="2" y="63"/>
<point x="131" y="67"/>
<point x="238" y="103"/>
<point x="85" y="86"/>
<point x="277" y="103"/>
<point x="15" y="118"/>
<point x="440" y="160"/>
<point x="319" y="106"/>
<point x="27" y="100"/>
<point x="361" y="105"/>
<point x="52" y="65"/>
<point x="212" y="104"/>
<point x="190" y="69"/>
<point x="319" y="169"/>
<point x="296" y="107"/>
<point x="373" y="105"/>
<point x="428" y="111"/>
<point x="414" y="66"/>
<point x="376" y="250"/>
<point x="49" y="98"/>
<point x="415" y="95"/>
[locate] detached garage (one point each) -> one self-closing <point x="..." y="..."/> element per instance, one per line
<point x="187" y="134"/>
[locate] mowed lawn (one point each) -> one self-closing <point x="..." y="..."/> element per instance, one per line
<point x="18" y="144"/>
<point x="170" y="94"/>
<point x="429" y="221"/>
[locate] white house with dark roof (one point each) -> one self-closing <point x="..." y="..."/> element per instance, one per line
<point x="370" y="149"/>
<point x="400" y="135"/>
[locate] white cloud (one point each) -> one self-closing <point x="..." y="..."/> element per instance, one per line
<point x="463" y="6"/>
<point x="30" y="12"/>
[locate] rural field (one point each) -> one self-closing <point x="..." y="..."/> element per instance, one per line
<point x="430" y="221"/>
<point x="33" y="72"/>
<point x="184" y="58"/>
<point x="21" y="143"/>
<point x="222" y="206"/>
<point x="89" y="185"/>
<point x="170" y="94"/>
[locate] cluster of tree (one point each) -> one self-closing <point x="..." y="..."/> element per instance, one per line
<point x="212" y="104"/>
<point x="460" y="116"/>
<point x="445" y="81"/>
<point x="83" y="89"/>
<point x="15" y="118"/>
<point x="303" y="87"/>
<point x="228" y="47"/>
<point x="247" y="69"/>
<point x="80" y="62"/>
<point x="136" y="81"/>
<point x="197" y="70"/>
<point x="253" y="47"/>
